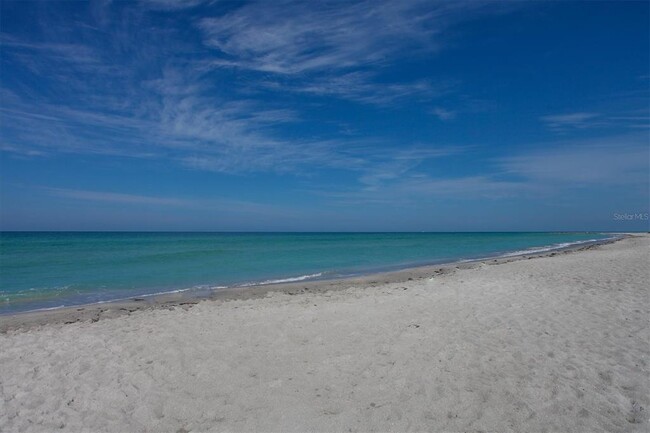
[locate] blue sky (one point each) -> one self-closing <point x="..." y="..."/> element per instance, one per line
<point x="333" y="116"/>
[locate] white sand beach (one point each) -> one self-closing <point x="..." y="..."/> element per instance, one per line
<point x="551" y="344"/>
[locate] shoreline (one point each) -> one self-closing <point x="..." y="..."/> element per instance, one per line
<point x="93" y="312"/>
<point x="553" y="343"/>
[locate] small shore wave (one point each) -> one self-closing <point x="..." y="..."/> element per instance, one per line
<point x="283" y="280"/>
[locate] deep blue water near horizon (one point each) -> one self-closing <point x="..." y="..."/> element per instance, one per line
<point x="52" y="269"/>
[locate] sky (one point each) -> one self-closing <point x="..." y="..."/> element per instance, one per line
<point x="324" y="116"/>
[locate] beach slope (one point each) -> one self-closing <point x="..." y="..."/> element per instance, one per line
<point x="556" y="343"/>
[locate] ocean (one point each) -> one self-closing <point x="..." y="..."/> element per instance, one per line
<point x="40" y="270"/>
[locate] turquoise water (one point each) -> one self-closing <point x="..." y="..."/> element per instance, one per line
<point x="46" y="270"/>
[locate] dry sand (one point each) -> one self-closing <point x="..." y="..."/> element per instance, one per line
<point x="557" y="343"/>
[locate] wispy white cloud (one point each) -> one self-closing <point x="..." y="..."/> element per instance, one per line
<point x="443" y="114"/>
<point x="172" y="5"/>
<point x="174" y="115"/>
<point x="155" y="99"/>
<point x="364" y="87"/>
<point x="20" y="150"/>
<point x="181" y="125"/>
<point x="112" y="197"/>
<point x="401" y="164"/>
<point x="578" y="120"/>
<point x="420" y="189"/>
<point x="181" y="115"/>
<point x="459" y="105"/>
<point x="70" y="52"/>
<point x="263" y="36"/>
<point x="617" y="160"/>
<point x="71" y="64"/>
<point x="635" y="119"/>
<point x="217" y="204"/>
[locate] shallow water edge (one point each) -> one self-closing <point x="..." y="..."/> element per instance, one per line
<point x="112" y="309"/>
